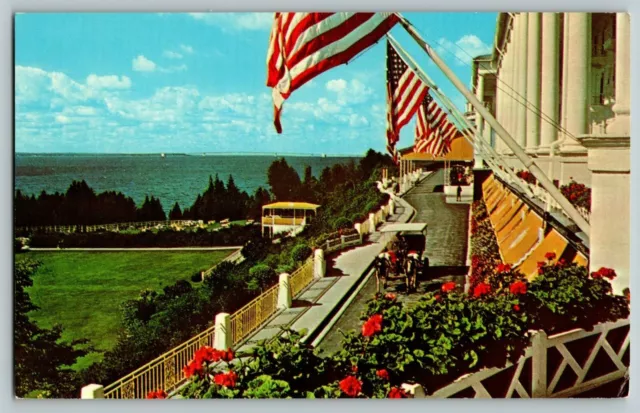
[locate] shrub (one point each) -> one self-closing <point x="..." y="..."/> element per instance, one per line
<point x="341" y="223"/>
<point x="261" y="276"/>
<point x="196" y="277"/>
<point x="300" y="252"/>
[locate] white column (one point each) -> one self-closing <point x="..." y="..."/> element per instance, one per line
<point x="284" y="292"/>
<point x="521" y="80"/>
<point x="578" y="62"/>
<point x="507" y="80"/>
<point x="511" y="87"/>
<point x="222" y="328"/>
<point x="610" y="237"/>
<point x="479" y="120"/>
<point x="621" y="123"/>
<point x="498" y="98"/>
<point x="92" y="391"/>
<point x="319" y="264"/>
<point x="533" y="82"/>
<point x="550" y="77"/>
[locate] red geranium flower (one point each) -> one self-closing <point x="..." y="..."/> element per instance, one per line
<point x="437" y="297"/>
<point x="561" y="262"/>
<point x="372" y="325"/>
<point x="383" y="374"/>
<point x="158" y="394"/>
<point x="227" y="355"/>
<point x="604" y="273"/>
<point x="226" y="379"/>
<point x="396" y="393"/>
<point x="516" y="307"/>
<point x="518" y="287"/>
<point x="206" y="354"/>
<point x="449" y="286"/>
<point x="354" y="368"/>
<point x="550" y="256"/>
<point x="481" y="289"/>
<point x="390" y="296"/>
<point x="351" y="386"/>
<point x="503" y="268"/>
<point x="195" y="367"/>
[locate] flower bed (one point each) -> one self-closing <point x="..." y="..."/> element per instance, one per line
<point x="445" y="335"/>
<point x="578" y="194"/>
<point x="485" y="254"/>
<point x="527" y="177"/>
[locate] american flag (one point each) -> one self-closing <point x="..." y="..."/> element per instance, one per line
<point x="304" y="45"/>
<point x="405" y="91"/>
<point x="434" y="132"/>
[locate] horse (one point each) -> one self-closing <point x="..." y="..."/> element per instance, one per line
<point x="382" y="270"/>
<point x="412" y="267"/>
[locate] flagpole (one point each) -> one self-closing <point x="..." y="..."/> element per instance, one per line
<point x="487" y="150"/>
<point x="544" y="181"/>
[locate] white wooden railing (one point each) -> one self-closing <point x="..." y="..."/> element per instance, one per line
<point x="548" y="360"/>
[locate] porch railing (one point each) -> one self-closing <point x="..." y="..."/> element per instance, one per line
<point x="562" y="365"/>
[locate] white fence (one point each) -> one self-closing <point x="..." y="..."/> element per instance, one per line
<point x="562" y="365"/>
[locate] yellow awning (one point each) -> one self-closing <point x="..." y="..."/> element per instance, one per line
<point x="291" y="205"/>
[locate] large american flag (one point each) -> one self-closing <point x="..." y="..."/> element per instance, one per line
<point x="304" y="45"/>
<point x="434" y="132"/>
<point x="405" y="91"/>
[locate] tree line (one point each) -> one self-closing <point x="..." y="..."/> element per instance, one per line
<point x="81" y="205"/>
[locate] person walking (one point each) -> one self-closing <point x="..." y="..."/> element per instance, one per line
<point x="459" y="194"/>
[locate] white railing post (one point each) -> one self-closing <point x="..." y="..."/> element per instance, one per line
<point x="284" y="292"/>
<point x="341" y="241"/>
<point x="539" y="365"/>
<point x="372" y="222"/>
<point x="358" y="227"/>
<point x="392" y="207"/>
<point x="319" y="264"/>
<point x="415" y="390"/>
<point x="92" y="391"/>
<point x="222" y="336"/>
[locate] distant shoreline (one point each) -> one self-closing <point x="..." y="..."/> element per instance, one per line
<point x="168" y="154"/>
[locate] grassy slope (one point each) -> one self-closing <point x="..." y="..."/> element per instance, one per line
<point x="83" y="290"/>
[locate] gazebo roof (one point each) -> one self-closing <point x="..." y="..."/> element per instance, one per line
<point x="291" y="205"/>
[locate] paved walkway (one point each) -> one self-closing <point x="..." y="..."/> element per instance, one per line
<point x="345" y="269"/>
<point x="446" y="248"/>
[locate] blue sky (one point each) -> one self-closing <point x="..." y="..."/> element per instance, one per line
<point x="195" y="82"/>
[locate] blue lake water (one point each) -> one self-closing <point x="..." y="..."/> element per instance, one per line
<point x="173" y="178"/>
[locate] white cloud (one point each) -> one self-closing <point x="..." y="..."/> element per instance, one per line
<point x="62" y="119"/>
<point x="142" y="64"/>
<point x="36" y="86"/>
<point x="464" y="49"/>
<point x="171" y="54"/>
<point x="108" y="82"/>
<point x="186" y="48"/>
<point x="349" y="92"/>
<point x="84" y="110"/>
<point x="337" y="85"/>
<point x="236" y="21"/>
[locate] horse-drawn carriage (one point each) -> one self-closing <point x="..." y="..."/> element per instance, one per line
<point x="405" y="257"/>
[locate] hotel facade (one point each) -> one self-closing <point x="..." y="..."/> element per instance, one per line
<point x="560" y="85"/>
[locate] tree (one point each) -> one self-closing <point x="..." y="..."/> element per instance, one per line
<point x="176" y="213"/>
<point x="41" y="360"/>
<point x="283" y="180"/>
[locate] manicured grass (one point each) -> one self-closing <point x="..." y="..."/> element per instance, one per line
<point x="83" y="290"/>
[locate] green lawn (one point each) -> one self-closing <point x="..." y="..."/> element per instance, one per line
<point x="83" y="290"/>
